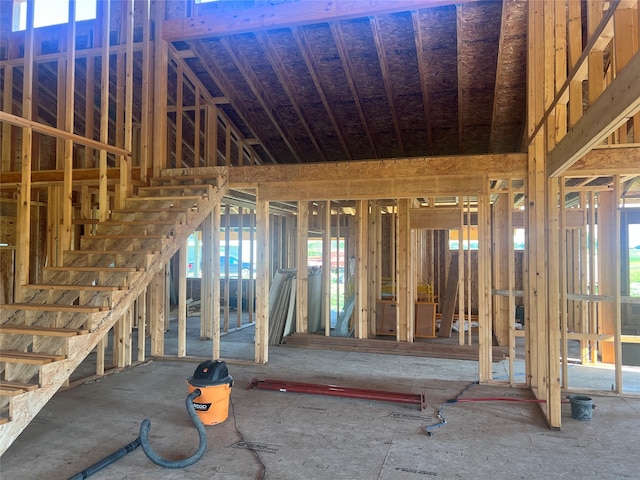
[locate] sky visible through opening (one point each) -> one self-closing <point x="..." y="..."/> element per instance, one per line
<point x="51" y="12"/>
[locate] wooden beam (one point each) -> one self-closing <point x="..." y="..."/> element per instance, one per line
<point x="359" y="189"/>
<point x="619" y="102"/>
<point x="508" y="165"/>
<point x="234" y="21"/>
<point x="607" y="161"/>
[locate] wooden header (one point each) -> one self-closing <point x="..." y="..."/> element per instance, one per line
<point x="233" y="21"/>
<point x="508" y="165"/>
<point x="368" y="188"/>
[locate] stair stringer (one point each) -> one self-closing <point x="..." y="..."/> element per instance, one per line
<point x="25" y="407"/>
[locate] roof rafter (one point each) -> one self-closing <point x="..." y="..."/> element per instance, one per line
<point x="264" y="98"/>
<point x="386" y="77"/>
<point x="289" y="87"/>
<point x="338" y="37"/>
<point x="214" y="71"/>
<point x="424" y="83"/>
<point x="312" y="66"/>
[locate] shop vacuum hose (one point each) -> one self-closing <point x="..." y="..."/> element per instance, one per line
<point x="143" y="439"/>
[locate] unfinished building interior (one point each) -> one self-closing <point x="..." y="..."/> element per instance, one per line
<point x="425" y="178"/>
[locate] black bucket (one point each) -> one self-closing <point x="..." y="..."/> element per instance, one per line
<point x="581" y="407"/>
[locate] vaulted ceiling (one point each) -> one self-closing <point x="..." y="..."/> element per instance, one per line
<point x="367" y="80"/>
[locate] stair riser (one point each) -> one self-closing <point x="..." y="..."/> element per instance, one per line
<point x="141" y="260"/>
<point x="90" y="278"/>
<point x="184" y="181"/>
<point x="170" y="192"/>
<point x="33" y="343"/>
<point x="175" y="217"/>
<point x="150" y="202"/>
<point x="47" y="319"/>
<point x="120" y="243"/>
<point x="113" y="228"/>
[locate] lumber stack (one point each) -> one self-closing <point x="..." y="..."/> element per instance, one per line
<point x="282" y="299"/>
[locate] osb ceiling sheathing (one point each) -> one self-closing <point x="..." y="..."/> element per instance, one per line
<point x="434" y="81"/>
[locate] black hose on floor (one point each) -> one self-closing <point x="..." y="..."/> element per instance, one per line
<point x="185" y="462"/>
<point x="106" y="461"/>
<point x="143" y="439"/>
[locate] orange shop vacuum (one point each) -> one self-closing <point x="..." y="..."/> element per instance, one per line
<point x="214" y="382"/>
<point x="207" y="404"/>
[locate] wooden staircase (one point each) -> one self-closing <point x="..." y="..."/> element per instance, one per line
<point x="44" y="338"/>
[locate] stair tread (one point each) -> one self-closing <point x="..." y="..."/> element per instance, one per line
<point x="152" y="210"/>
<point x="95" y="288"/>
<point x="194" y="186"/>
<point x="164" y="197"/>
<point x="110" y="252"/>
<point x="45" y="331"/>
<point x="95" y="269"/>
<point x="125" y="223"/>
<point x="29" y="357"/>
<point x="9" y="391"/>
<point x="124" y="236"/>
<point x="24" y="386"/>
<point x="54" y="307"/>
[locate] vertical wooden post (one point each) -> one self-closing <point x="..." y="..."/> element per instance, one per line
<point x="252" y="261"/>
<point x="615" y="287"/>
<point x="373" y="262"/>
<point x="211" y="141"/>
<point x="326" y="269"/>
<point x="196" y="133"/>
<point x="8" y="155"/>
<point x="461" y="274"/>
<point x="484" y="289"/>
<point x="362" y="270"/>
<point x="227" y="228"/>
<point x="562" y="261"/>
<point x="262" y="281"/>
<point x="145" y="114"/>
<point x="302" y="276"/>
<point x="182" y="300"/>
<point x="160" y="63"/>
<point x="207" y="280"/>
<point x="405" y="306"/>
<point x="215" y="261"/>
<point x="553" y="391"/>
<point x="67" y="188"/>
<point x="103" y="193"/>
<point x="156" y="316"/>
<point x="142" y="325"/>
<point x="124" y="187"/>
<point x="23" y="226"/>
<point x="239" y="268"/>
<point x="89" y="107"/>
<point x="179" y="113"/>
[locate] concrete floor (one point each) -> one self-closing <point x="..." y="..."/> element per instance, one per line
<point x="302" y="436"/>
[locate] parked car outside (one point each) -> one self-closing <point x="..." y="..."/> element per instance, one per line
<point x="233" y="267"/>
